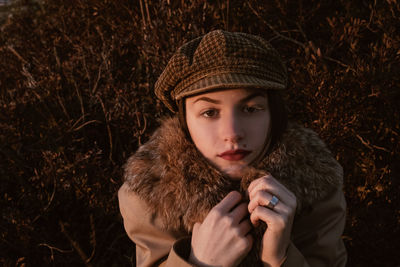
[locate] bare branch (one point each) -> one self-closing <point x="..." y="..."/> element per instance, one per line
<point x="76" y="246"/>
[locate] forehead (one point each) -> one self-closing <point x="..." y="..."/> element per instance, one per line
<point x="239" y="94"/>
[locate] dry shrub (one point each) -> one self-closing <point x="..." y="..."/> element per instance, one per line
<point x="76" y="100"/>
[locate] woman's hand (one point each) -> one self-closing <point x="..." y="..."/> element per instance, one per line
<point x="279" y="219"/>
<point x="223" y="238"/>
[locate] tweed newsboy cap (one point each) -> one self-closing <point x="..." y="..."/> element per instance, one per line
<point x="220" y="60"/>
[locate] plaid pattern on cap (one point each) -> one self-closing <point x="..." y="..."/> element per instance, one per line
<point x="220" y="60"/>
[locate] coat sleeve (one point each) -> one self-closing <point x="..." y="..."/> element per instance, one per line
<point x="317" y="235"/>
<point x="154" y="246"/>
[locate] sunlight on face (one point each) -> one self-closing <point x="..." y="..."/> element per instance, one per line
<point x="229" y="127"/>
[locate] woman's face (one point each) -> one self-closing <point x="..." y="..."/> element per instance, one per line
<point x="229" y="127"/>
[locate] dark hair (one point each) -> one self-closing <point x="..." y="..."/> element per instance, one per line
<point x="279" y="119"/>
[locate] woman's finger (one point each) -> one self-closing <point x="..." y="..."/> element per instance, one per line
<point x="229" y="202"/>
<point x="245" y="227"/>
<point x="239" y="212"/>
<point x="256" y="182"/>
<point x="264" y="183"/>
<point x="273" y="187"/>
<point x="274" y="220"/>
<point x="261" y="198"/>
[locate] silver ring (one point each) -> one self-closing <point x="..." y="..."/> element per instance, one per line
<point x="273" y="202"/>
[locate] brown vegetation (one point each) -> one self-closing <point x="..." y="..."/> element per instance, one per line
<point x="76" y="100"/>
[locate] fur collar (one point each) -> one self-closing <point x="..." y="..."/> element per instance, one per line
<point x="179" y="185"/>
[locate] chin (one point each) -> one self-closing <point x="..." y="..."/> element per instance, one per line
<point x="234" y="172"/>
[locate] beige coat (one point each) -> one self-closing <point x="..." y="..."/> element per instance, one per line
<point x="169" y="186"/>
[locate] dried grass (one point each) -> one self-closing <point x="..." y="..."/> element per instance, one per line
<point x="76" y="100"/>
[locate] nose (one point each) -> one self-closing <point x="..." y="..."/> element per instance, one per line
<point x="232" y="129"/>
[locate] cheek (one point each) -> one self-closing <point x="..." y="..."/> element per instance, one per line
<point x="201" y="135"/>
<point x="199" y="138"/>
<point x="259" y="130"/>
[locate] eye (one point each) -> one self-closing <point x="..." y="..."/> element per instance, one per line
<point x="210" y="113"/>
<point x="252" y="109"/>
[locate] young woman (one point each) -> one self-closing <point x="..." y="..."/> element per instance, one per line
<point x="228" y="181"/>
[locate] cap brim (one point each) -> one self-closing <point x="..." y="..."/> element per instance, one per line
<point x="227" y="81"/>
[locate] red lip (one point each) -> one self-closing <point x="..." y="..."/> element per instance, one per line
<point x="234" y="155"/>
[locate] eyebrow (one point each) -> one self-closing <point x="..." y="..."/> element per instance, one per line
<point x="251" y="96"/>
<point x="207" y="99"/>
<point x="214" y="101"/>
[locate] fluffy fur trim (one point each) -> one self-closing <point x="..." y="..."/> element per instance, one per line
<point x="179" y="185"/>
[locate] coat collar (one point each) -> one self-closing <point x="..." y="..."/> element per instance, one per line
<point x="179" y="185"/>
